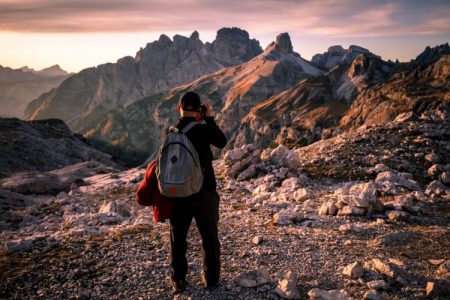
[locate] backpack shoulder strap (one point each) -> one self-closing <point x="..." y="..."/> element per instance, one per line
<point x="188" y="127"/>
<point x="174" y="129"/>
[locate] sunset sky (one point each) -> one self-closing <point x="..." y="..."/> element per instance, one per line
<point x="81" y="33"/>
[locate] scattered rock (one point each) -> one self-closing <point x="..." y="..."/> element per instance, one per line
<point x="328" y="208"/>
<point x="432" y="157"/>
<point x="377" y="284"/>
<point x="319" y="294"/>
<point x="372" y="295"/>
<point x="108" y="207"/>
<point x="257" y="240"/>
<point x="253" y="278"/>
<point x="354" y="270"/>
<point x="436" y="262"/>
<point x="395" y="215"/>
<point x="287" y="287"/>
<point x="435" y="188"/>
<point x="438" y="288"/>
<point x="444" y="270"/>
<point x="301" y="194"/>
<point x="391" y="270"/>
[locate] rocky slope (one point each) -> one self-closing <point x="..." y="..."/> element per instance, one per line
<point x="88" y="96"/>
<point x="18" y="87"/>
<point x="363" y="215"/>
<point x="232" y="91"/>
<point x="365" y="91"/>
<point x="336" y="55"/>
<point x="43" y="146"/>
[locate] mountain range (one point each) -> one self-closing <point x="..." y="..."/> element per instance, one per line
<point x="19" y="86"/>
<point x="265" y="97"/>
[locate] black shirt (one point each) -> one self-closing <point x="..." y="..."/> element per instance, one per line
<point x="202" y="136"/>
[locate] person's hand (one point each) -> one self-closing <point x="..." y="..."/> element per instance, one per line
<point x="209" y="110"/>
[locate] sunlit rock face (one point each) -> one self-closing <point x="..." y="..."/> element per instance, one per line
<point x="90" y="94"/>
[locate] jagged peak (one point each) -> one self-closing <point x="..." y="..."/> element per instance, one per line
<point x="356" y="48"/>
<point x="231" y="31"/>
<point x="336" y="48"/>
<point x="431" y="54"/>
<point x="194" y="35"/>
<point x="27" y="69"/>
<point x="164" y="39"/>
<point x="283" y="43"/>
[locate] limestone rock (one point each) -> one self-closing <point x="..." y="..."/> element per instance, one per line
<point x="319" y="294"/>
<point x="283" y="157"/>
<point x="372" y="295"/>
<point x="444" y="270"/>
<point x="354" y="270"/>
<point x="394" y="215"/>
<point x="438" y="288"/>
<point x="302" y="194"/>
<point x="377" y="284"/>
<point x="108" y="207"/>
<point x="391" y="270"/>
<point x="257" y="240"/>
<point x="328" y="208"/>
<point x="253" y="278"/>
<point x="435" y="188"/>
<point x="287" y="287"/>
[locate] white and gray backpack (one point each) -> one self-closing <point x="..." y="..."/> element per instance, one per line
<point x="179" y="171"/>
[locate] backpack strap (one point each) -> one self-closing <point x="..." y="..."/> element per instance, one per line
<point x="173" y="129"/>
<point x="189" y="127"/>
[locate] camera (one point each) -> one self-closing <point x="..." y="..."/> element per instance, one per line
<point x="203" y="110"/>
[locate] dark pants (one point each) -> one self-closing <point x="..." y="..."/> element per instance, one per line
<point x="204" y="208"/>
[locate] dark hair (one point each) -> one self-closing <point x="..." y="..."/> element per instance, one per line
<point x="190" y="101"/>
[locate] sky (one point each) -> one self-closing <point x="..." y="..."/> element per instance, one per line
<point x="77" y="34"/>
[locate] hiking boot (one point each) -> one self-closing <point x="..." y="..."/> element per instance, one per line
<point x="178" y="286"/>
<point x="209" y="285"/>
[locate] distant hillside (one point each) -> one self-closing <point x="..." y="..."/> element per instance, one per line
<point x="18" y="87"/>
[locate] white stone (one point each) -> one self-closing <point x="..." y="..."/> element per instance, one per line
<point x="372" y="295"/>
<point x="287" y="287"/>
<point x="377" y="284"/>
<point x="257" y="240"/>
<point x="354" y="270"/>
<point x="108" y="207"/>
<point x="253" y="278"/>
<point x="435" y="188"/>
<point x="301" y="194"/>
<point x="319" y="294"/>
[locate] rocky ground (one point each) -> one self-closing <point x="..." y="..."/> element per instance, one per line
<point x="300" y="224"/>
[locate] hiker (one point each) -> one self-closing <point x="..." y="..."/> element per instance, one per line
<point x="202" y="206"/>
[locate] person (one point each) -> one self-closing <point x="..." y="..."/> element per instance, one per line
<point x="202" y="206"/>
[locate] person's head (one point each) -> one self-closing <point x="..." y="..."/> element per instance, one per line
<point x="189" y="105"/>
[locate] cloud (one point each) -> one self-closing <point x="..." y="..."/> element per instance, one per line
<point x="328" y="17"/>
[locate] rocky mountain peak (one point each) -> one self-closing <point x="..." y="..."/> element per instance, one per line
<point x="283" y="43"/>
<point x="336" y="49"/>
<point x="234" y="45"/>
<point x="194" y="35"/>
<point x="358" y="49"/>
<point x="337" y="55"/>
<point x="430" y="55"/>
<point x="165" y="40"/>
<point x="54" y="70"/>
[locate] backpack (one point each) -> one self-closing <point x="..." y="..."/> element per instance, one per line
<point x="179" y="171"/>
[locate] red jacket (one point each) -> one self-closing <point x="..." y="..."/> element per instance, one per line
<point x="148" y="194"/>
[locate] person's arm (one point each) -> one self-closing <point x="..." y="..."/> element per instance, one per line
<point x="216" y="135"/>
